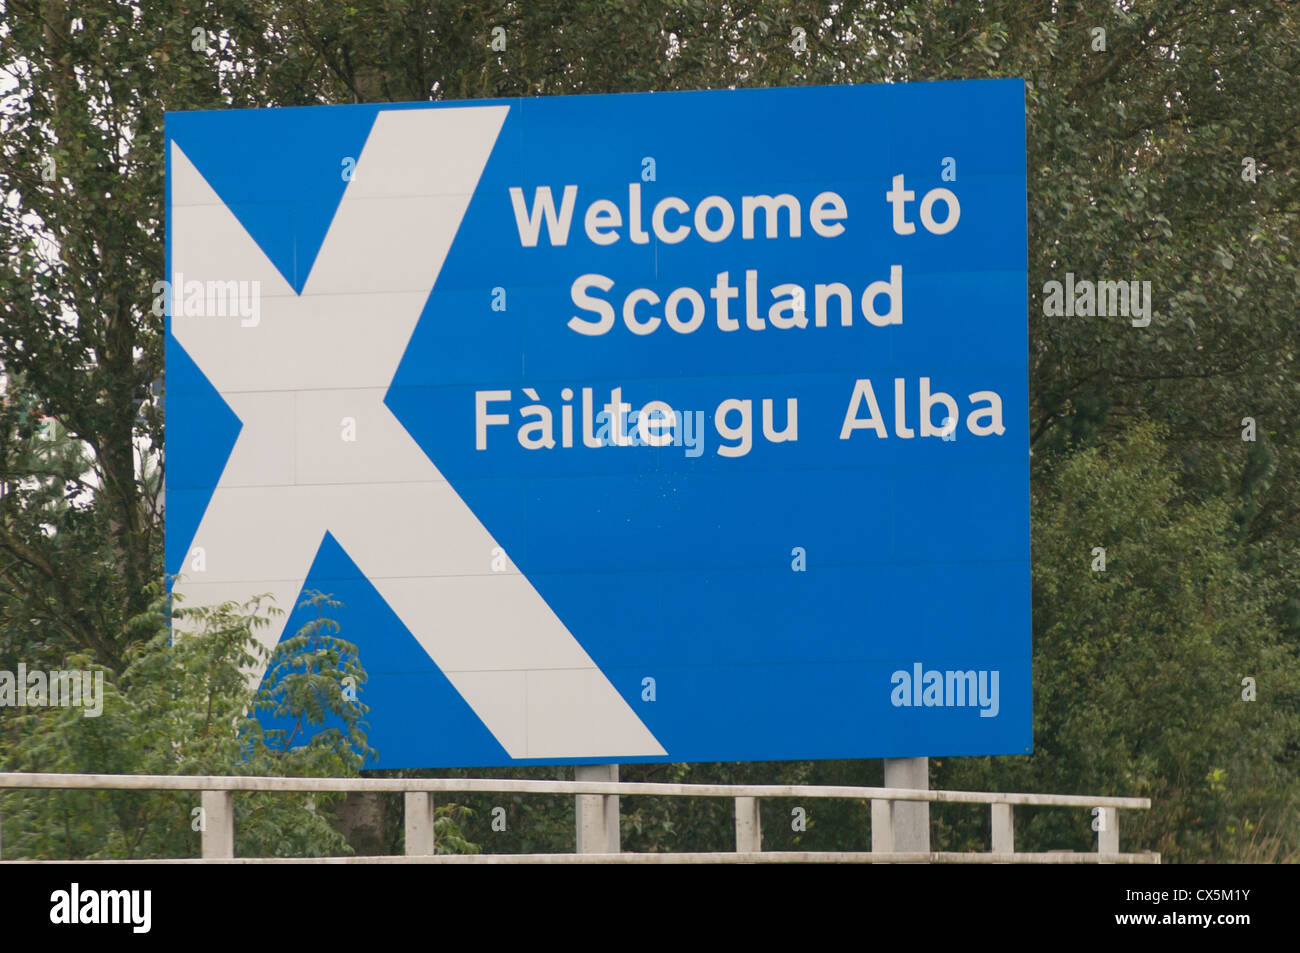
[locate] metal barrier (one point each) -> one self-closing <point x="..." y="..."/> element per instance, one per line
<point x="218" y="839"/>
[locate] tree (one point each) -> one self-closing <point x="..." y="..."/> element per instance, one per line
<point x="187" y="707"/>
<point x="1138" y="669"/>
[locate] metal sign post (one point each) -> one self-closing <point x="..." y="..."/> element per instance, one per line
<point x="911" y="818"/>
<point x="597" y="814"/>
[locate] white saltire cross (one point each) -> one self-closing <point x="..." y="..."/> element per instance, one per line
<point x="330" y="353"/>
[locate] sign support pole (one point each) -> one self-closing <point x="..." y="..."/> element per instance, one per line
<point x="909" y="821"/>
<point x="597" y="814"/>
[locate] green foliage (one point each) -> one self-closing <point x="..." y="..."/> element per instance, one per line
<point x="312" y="676"/>
<point x="1138" y="669"/>
<point x="186" y="707"/>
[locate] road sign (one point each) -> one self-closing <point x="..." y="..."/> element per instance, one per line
<point x="653" y="427"/>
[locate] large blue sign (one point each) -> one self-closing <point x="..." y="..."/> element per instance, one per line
<point x="655" y="427"/>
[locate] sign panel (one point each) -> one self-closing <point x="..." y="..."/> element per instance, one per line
<point x="654" y="427"/>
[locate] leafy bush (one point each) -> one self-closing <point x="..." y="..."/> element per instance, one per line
<point x="186" y="706"/>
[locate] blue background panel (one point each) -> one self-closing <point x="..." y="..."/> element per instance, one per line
<point x="662" y="563"/>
